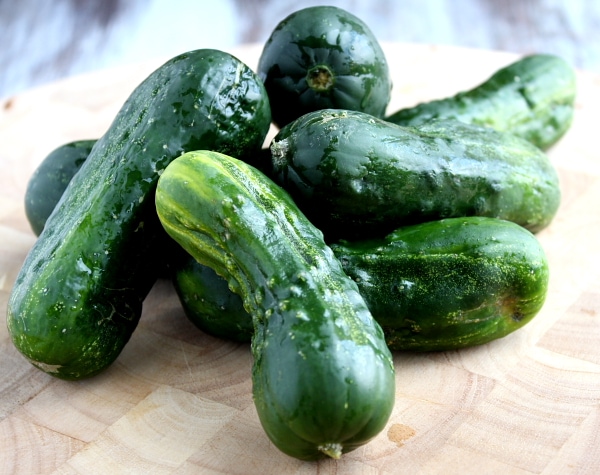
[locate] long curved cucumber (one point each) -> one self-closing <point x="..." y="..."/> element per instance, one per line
<point x="323" y="377"/>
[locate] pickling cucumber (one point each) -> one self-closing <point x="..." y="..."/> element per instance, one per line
<point x="208" y="302"/>
<point x="435" y="286"/>
<point x="323" y="376"/>
<point x="50" y="179"/>
<point x="324" y="57"/>
<point x="449" y="284"/>
<point x="533" y="98"/>
<point x="79" y="294"/>
<point x="356" y="176"/>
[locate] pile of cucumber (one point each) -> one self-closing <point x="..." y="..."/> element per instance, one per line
<point x="353" y="234"/>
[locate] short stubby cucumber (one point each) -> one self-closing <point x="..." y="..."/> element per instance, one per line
<point x="358" y="176"/>
<point x="50" y="179"/>
<point x="440" y="285"/>
<point x="323" y="376"/>
<point x="79" y="294"/>
<point x="208" y="302"/>
<point x="449" y="284"/>
<point x="324" y="57"/>
<point x="533" y="98"/>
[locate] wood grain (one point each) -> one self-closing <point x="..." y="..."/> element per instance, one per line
<point x="178" y="401"/>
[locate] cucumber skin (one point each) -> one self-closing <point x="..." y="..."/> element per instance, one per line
<point x="324" y="36"/>
<point x="467" y="281"/>
<point x="50" y="179"/>
<point x="533" y="98"/>
<point x="78" y="296"/>
<point x="205" y="297"/>
<point x="323" y="377"/>
<point x="356" y="176"/>
<point x="449" y="284"/>
<point x="209" y="303"/>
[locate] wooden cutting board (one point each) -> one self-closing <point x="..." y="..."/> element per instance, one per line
<point x="179" y="401"/>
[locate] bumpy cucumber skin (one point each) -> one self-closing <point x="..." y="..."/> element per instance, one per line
<point x="204" y="295"/>
<point x="78" y="296"/>
<point x="332" y="38"/>
<point x="209" y="303"/>
<point x="436" y="286"/>
<point x="50" y="179"/>
<point x="449" y="284"/>
<point x="533" y="98"/>
<point x="357" y="176"/>
<point x="323" y="377"/>
<point x="48" y="183"/>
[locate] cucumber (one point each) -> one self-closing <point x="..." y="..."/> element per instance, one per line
<point x="533" y="98"/>
<point x="209" y="303"/>
<point x="324" y="57"/>
<point x="323" y="377"/>
<point x="449" y="284"/>
<point x="79" y="294"/>
<point x="50" y="179"/>
<point x="435" y="286"/>
<point x="356" y="176"/>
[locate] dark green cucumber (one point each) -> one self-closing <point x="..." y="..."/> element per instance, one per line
<point x="323" y="377"/>
<point x="533" y="98"/>
<point x="209" y="303"/>
<point x="49" y="180"/>
<point x="449" y="284"/>
<point x="440" y="285"/>
<point x="78" y="296"/>
<point x="355" y="175"/>
<point x="324" y="57"/>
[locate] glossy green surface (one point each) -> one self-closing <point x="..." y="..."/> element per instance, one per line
<point x="324" y="57"/>
<point x="209" y="303"/>
<point x="356" y="176"/>
<point x="78" y="296"/>
<point x="449" y="284"/>
<point x="533" y="98"/>
<point x="50" y="179"/>
<point x="440" y="285"/>
<point x="323" y="378"/>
